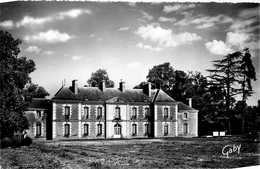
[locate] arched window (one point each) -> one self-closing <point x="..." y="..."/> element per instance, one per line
<point x="166" y="129"/>
<point x="117" y="113"/>
<point x="134" y="112"/>
<point x="117" y="129"/>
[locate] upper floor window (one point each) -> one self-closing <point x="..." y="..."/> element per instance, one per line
<point x="99" y="112"/>
<point x="166" y="112"/>
<point x="67" y="112"/>
<point x="117" y="113"/>
<point x="146" y="112"/>
<point x="185" y="115"/>
<point x="134" y="113"/>
<point x="166" y="129"/>
<point x="86" y="112"/>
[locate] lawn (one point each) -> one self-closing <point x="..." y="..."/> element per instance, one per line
<point x="156" y="153"/>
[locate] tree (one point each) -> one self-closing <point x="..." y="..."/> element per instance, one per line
<point x="14" y="75"/>
<point x="97" y="78"/>
<point x="161" y="75"/>
<point x="35" y="91"/>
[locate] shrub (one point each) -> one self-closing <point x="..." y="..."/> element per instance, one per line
<point x="6" y="142"/>
<point x="26" y="141"/>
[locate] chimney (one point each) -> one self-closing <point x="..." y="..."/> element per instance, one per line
<point x="75" y="86"/>
<point x="102" y="86"/>
<point x="190" y="101"/>
<point x="147" y="89"/>
<point x="122" y="86"/>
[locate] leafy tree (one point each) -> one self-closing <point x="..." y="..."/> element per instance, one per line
<point x="97" y="78"/>
<point x="14" y="75"/>
<point x="162" y="75"/>
<point x="35" y="91"/>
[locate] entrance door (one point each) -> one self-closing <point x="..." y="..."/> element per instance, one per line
<point x="117" y="131"/>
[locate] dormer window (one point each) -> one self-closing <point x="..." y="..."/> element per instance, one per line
<point x="185" y="115"/>
<point x="38" y="114"/>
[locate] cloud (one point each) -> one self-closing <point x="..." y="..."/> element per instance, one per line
<point x="32" y="49"/>
<point x="145" y="17"/>
<point x="73" y="13"/>
<point x="237" y="40"/>
<point x="8" y="24"/>
<point x="92" y="36"/>
<point x="164" y="37"/>
<point x="148" y="47"/>
<point x="30" y="21"/>
<point x="51" y="36"/>
<point x="134" y="65"/>
<point x="218" y="47"/>
<point x="165" y="19"/>
<point x="177" y="7"/>
<point x="132" y="4"/>
<point x="76" y="57"/>
<point x="123" y="29"/>
<point x="49" y="52"/>
<point x="203" y="21"/>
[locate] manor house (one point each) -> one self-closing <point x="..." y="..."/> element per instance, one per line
<point x="100" y="113"/>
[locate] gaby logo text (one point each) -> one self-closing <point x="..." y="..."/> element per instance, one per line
<point x="229" y="149"/>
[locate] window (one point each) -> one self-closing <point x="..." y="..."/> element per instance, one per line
<point x="38" y="114"/>
<point x="99" y="129"/>
<point x="166" y="129"/>
<point x="85" y="129"/>
<point x="185" y="115"/>
<point x="146" y="112"/>
<point x="134" y="129"/>
<point x="117" y="129"/>
<point x="185" y="128"/>
<point x="99" y="112"/>
<point x="38" y="129"/>
<point x="117" y="113"/>
<point x="165" y="112"/>
<point x="66" y="130"/>
<point x="86" y="112"/>
<point x="146" y="129"/>
<point x="134" y="112"/>
<point x="67" y="112"/>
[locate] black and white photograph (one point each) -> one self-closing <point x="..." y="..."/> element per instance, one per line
<point x="129" y="84"/>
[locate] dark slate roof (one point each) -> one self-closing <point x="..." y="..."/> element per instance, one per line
<point x="161" y="96"/>
<point x="182" y="106"/>
<point x="65" y="94"/>
<point x="39" y="103"/>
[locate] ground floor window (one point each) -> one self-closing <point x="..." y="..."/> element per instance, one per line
<point x="38" y="129"/>
<point x="86" y="129"/>
<point x="117" y="129"/>
<point x="134" y="129"/>
<point x="66" y="130"/>
<point x="185" y="128"/>
<point x="146" y="129"/>
<point x="166" y="129"/>
<point x="99" y="129"/>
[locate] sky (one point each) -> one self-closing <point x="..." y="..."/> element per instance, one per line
<point x="71" y="40"/>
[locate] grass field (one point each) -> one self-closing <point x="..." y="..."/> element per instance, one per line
<point x="156" y="153"/>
